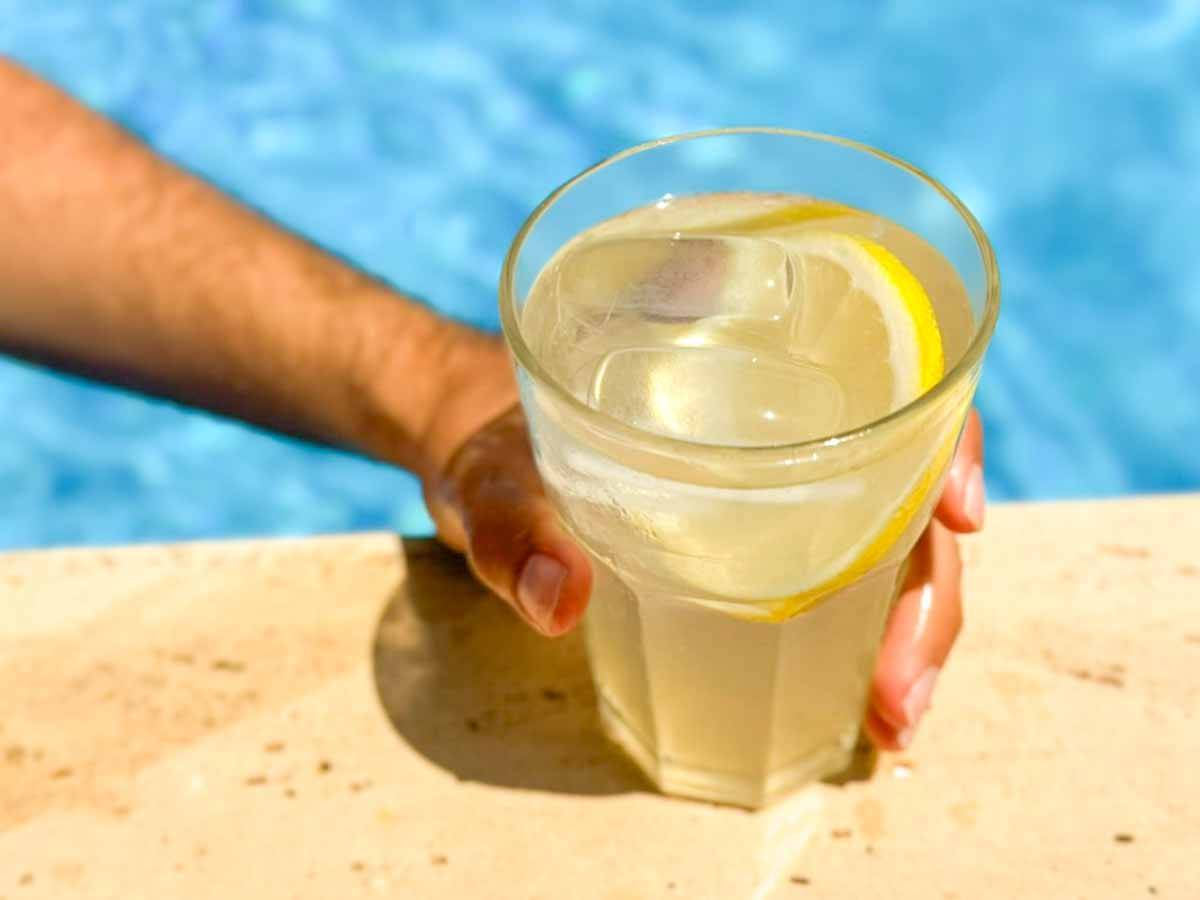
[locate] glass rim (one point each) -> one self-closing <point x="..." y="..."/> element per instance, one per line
<point x="527" y="359"/>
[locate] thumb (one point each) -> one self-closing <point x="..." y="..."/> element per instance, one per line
<point x="490" y="503"/>
<point x="961" y="507"/>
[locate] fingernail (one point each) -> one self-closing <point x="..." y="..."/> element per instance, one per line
<point x="538" y="587"/>
<point x="916" y="701"/>
<point x="904" y="738"/>
<point x="974" y="497"/>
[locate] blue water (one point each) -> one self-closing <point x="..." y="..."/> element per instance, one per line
<point x="414" y="137"/>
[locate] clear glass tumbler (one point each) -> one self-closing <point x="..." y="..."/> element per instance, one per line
<point x="715" y="692"/>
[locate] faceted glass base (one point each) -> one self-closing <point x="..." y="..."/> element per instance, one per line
<point x="717" y="708"/>
<point x="722" y="787"/>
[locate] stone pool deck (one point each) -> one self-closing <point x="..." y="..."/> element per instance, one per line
<point x="352" y="717"/>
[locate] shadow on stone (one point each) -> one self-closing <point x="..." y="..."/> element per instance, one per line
<point x="477" y="693"/>
<point x="861" y="766"/>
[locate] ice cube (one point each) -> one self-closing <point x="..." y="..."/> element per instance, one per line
<point x="822" y="286"/>
<point x="676" y="278"/>
<point x="718" y="395"/>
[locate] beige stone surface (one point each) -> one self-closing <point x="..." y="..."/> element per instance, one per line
<point x="348" y="718"/>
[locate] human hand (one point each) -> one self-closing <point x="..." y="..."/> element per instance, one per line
<point x="486" y="498"/>
<point x="927" y="616"/>
<point x="488" y="502"/>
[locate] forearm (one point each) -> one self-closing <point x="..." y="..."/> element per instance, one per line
<point x="115" y="264"/>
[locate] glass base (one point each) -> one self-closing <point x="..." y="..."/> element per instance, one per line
<point x="721" y="787"/>
<point x="727" y="710"/>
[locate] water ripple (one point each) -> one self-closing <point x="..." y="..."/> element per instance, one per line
<point x="414" y="137"/>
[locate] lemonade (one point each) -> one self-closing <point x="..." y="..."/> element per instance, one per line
<point x="720" y="390"/>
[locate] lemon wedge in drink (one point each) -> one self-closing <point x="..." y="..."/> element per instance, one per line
<point x="859" y="340"/>
<point x="865" y="319"/>
<point x="865" y="316"/>
<point x="790" y="323"/>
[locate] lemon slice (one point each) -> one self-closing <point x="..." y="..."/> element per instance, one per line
<point x="866" y="320"/>
<point x="864" y="315"/>
<point x="853" y="338"/>
<point x="865" y="556"/>
<point x="788" y="215"/>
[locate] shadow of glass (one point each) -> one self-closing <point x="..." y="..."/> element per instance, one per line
<point x="476" y="692"/>
<point x="861" y="767"/>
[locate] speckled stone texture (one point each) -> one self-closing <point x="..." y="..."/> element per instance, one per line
<point x="350" y="717"/>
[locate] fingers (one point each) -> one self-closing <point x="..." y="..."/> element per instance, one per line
<point x="961" y="507"/>
<point x="490" y="503"/>
<point x="920" y="633"/>
<point x="928" y="614"/>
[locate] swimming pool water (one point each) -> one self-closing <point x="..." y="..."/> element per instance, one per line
<point x="414" y="137"/>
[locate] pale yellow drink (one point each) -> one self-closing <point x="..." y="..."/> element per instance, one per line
<point x="742" y="402"/>
<point x="710" y="319"/>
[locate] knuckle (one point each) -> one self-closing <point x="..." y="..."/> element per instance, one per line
<point x="497" y="548"/>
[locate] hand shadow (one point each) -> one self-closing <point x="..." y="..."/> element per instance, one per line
<point x="476" y="692"/>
